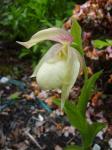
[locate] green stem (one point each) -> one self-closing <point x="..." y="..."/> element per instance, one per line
<point x="85" y="73"/>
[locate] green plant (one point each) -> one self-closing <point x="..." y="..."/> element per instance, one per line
<point x="102" y="43"/>
<point x="76" y="113"/>
<point x="30" y="16"/>
<point x="63" y="61"/>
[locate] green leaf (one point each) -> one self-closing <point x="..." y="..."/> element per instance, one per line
<point x="101" y="44"/>
<point x="90" y="133"/>
<point x="14" y="96"/>
<point x="95" y="128"/>
<point x="76" y="33"/>
<point x="57" y="102"/>
<point x="24" y="53"/>
<point x="74" y="116"/>
<point x="109" y="42"/>
<point x="73" y="147"/>
<point x="86" y="93"/>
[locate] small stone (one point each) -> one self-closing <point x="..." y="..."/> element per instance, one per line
<point x="110" y="143"/>
<point x="96" y="147"/>
<point x="32" y="95"/>
<point x="66" y="134"/>
<point x="59" y="112"/>
<point x="32" y="108"/>
<point x="43" y="95"/>
<point x="40" y="118"/>
<point x="57" y="147"/>
<point x="100" y="135"/>
<point x="4" y="80"/>
<point x="26" y="142"/>
<point x="7" y="87"/>
<point x="68" y="130"/>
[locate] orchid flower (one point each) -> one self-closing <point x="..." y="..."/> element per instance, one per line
<point x="60" y="66"/>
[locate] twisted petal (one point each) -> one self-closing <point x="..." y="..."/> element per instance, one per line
<point x="74" y="64"/>
<point x="50" y="54"/>
<point x="54" y="34"/>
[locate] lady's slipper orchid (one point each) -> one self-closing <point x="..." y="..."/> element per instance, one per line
<point x="60" y="66"/>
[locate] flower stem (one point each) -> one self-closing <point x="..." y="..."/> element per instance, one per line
<point x="85" y="73"/>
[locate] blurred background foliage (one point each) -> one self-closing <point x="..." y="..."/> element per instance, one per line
<point x="20" y="19"/>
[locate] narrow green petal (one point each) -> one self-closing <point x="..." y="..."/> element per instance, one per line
<point x="54" y="34"/>
<point x="50" y="54"/>
<point x="73" y="69"/>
